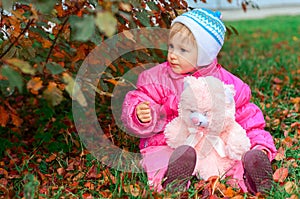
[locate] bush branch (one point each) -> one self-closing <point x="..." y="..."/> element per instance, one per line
<point x="13" y="43"/>
<point x="55" y="40"/>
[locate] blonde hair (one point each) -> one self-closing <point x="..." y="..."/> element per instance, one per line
<point x="182" y="29"/>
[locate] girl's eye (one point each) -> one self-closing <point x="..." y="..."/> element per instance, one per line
<point x="171" y="46"/>
<point x="183" y="50"/>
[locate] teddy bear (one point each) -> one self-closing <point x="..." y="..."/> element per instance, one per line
<point x="206" y="121"/>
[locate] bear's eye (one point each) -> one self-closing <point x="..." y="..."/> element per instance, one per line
<point x="205" y="113"/>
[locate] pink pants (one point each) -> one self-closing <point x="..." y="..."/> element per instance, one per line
<point x="155" y="162"/>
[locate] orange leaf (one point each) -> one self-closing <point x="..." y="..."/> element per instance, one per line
<point x="34" y="85"/>
<point x="4" y="116"/>
<point x="60" y="171"/>
<point x="280" y="154"/>
<point x="46" y="43"/>
<point x="51" y="158"/>
<point x="276" y="80"/>
<point x="112" y="81"/>
<point x="229" y="192"/>
<point x="238" y="197"/>
<point x="16" y="120"/>
<point x="106" y="193"/>
<point x="87" y="196"/>
<point x="93" y="173"/>
<point x="135" y="190"/>
<point x="280" y="174"/>
<point x="293" y="197"/>
<point x="295" y="100"/>
<point x="89" y="185"/>
<point x="3" y="172"/>
<point x="290" y="187"/>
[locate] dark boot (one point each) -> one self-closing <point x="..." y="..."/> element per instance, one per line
<point x="258" y="174"/>
<point x="180" y="168"/>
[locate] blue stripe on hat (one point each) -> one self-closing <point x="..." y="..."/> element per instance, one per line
<point x="209" y="20"/>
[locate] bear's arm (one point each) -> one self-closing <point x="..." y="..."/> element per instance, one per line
<point x="176" y="132"/>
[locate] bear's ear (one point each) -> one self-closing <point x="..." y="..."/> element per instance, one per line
<point x="188" y="81"/>
<point x="229" y="93"/>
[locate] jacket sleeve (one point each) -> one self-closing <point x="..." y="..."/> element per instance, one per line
<point x="250" y="117"/>
<point x="147" y="90"/>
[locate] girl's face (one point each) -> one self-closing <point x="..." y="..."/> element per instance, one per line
<point x="182" y="54"/>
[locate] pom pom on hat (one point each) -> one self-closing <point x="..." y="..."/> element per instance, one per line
<point x="208" y="30"/>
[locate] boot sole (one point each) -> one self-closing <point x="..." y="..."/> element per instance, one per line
<point x="257" y="172"/>
<point x="180" y="168"/>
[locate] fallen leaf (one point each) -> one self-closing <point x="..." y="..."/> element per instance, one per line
<point x="89" y="185"/>
<point x="106" y="193"/>
<point x="3" y="172"/>
<point x="229" y="192"/>
<point x="280" y="174"/>
<point x="135" y="190"/>
<point x="87" y="196"/>
<point x="93" y="173"/>
<point x="16" y="120"/>
<point x="276" y="80"/>
<point x="290" y="187"/>
<point x="51" y="157"/>
<point x="280" y="154"/>
<point x="4" y="116"/>
<point x="293" y="197"/>
<point x="60" y="171"/>
<point x="295" y="100"/>
<point x="238" y="197"/>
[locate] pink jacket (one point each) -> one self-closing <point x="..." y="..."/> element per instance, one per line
<point x="162" y="88"/>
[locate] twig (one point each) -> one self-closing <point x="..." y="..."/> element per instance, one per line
<point x="13" y="43"/>
<point x="55" y="40"/>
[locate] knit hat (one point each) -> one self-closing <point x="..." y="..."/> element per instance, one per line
<point x="208" y="30"/>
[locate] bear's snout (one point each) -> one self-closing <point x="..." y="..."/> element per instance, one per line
<point x="199" y="119"/>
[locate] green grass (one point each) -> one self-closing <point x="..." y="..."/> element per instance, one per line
<point x="264" y="50"/>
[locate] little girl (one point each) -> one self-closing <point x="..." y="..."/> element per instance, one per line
<point x="195" y="40"/>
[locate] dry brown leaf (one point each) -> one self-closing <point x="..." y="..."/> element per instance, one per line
<point x="276" y="80"/>
<point x="89" y="185"/>
<point x="295" y="100"/>
<point x="229" y="192"/>
<point x="34" y="85"/>
<point x="135" y="190"/>
<point x="93" y="173"/>
<point x="16" y="120"/>
<point x="51" y="158"/>
<point x="3" y="172"/>
<point x="280" y="174"/>
<point x="293" y="197"/>
<point x="290" y="187"/>
<point x="238" y="197"/>
<point x="280" y="154"/>
<point x="4" y="116"/>
<point x="60" y="171"/>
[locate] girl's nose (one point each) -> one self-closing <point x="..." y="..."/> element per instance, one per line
<point x="172" y="56"/>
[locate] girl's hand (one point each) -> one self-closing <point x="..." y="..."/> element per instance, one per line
<point x="143" y="112"/>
